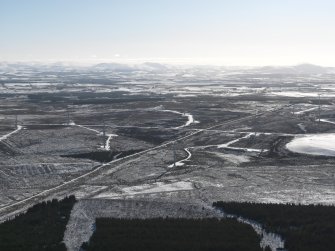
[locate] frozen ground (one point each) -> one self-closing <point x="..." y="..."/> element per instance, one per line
<point x="232" y="139"/>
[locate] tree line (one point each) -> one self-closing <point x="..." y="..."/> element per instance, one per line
<point x="41" y="228"/>
<point x="303" y="227"/>
<point x="167" y="234"/>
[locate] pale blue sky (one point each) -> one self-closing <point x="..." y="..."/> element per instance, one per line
<point x="234" y="32"/>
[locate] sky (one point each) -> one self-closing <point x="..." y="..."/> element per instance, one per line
<point x="220" y="32"/>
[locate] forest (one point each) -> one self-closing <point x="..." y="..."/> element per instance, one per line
<point x="102" y="156"/>
<point x="172" y="235"/>
<point x="303" y="227"/>
<point x="40" y="228"/>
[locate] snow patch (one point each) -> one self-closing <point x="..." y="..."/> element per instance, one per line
<point x="307" y="110"/>
<point x="158" y="187"/>
<point x="189" y="121"/>
<point x="234" y="141"/>
<point x="107" y="145"/>
<point x="327" y="121"/>
<point x="181" y="162"/>
<point x="234" y="158"/>
<point x="300" y="94"/>
<point x="227" y="145"/>
<point x="190" y="118"/>
<point x="90" y="129"/>
<point x="314" y="144"/>
<point x="19" y="128"/>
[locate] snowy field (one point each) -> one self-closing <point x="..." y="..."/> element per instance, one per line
<point x="317" y="144"/>
<point x="136" y="144"/>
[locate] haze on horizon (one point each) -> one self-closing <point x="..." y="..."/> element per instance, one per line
<point x="222" y="32"/>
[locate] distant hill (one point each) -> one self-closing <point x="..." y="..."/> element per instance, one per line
<point x="113" y="67"/>
<point x="297" y="69"/>
<point x="152" y="67"/>
<point x="148" y="66"/>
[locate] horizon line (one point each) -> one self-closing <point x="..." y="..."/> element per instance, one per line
<point x="163" y="61"/>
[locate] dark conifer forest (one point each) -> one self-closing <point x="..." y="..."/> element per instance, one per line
<point x="172" y="235"/>
<point x="303" y="227"/>
<point x="40" y="228"/>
